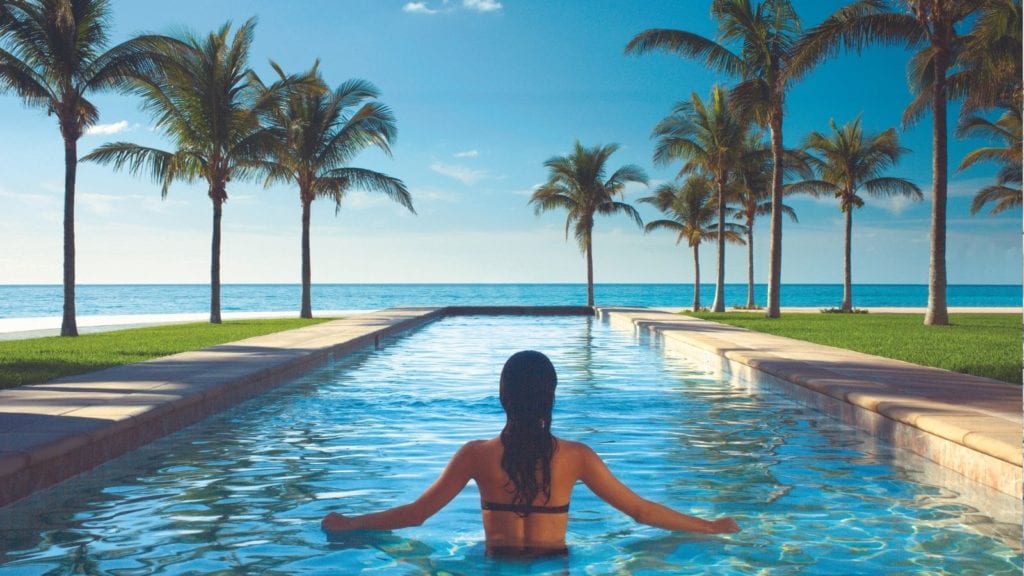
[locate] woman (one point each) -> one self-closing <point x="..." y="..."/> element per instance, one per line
<point x="526" y="476"/>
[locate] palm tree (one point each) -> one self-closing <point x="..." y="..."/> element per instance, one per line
<point x="709" y="138"/>
<point x="751" y="190"/>
<point x="991" y="75"/>
<point x="209" y="103"/>
<point x="851" y="163"/>
<point x="576" y="183"/>
<point x="321" y="132"/>
<point x="765" y="36"/>
<point x="51" y="55"/>
<point x="691" y="209"/>
<point x="930" y="26"/>
<point x="1007" y="128"/>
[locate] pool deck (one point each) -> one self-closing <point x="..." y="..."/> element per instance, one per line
<point x="967" y="424"/>
<point x="53" y="431"/>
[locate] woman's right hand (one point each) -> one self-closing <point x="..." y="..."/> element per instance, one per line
<point x="724" y="526"/>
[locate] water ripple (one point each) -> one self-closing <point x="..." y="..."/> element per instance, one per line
<point x="243" y="492"/>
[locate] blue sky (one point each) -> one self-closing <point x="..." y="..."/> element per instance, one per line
<point x="484" y="91"/>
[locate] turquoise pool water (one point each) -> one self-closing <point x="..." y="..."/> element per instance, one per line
<point x="243" y="492"/>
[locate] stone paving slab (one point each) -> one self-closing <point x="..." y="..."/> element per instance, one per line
<point x="52" y="431"/>
<point x="969" y="424"/>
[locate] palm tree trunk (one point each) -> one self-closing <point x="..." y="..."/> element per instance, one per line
<point x="590" y="272"/>
<point x="937" y="314"/>
<point x="750" y="264"/>
<point x="775" y="226"/>
<point x="307" y="304"/>
<point x="696" y="277"/>
<point x="69" y="324"/>
<point x="847" y="281"/>
<point x="218" y="208"/>
<point x="719" y="303"/>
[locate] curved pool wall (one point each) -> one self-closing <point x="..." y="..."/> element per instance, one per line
<point x="243" y="490"/>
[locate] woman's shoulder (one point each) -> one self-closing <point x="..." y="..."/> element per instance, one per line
<point x="572" y="448"/>
<point x="481" y="445"/>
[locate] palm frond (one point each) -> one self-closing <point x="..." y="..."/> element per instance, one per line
<point x="987" y="154"/>
<point x="885" y="187"/>
<point x="687" y="44"/>
<point x="372" y="181"/>
<point x="854" y="27"/>
<point x="161" y="166"/>
<point x="1003" y="198"/>
<point x="611" y="208"/>
<point x="816" y="188"/>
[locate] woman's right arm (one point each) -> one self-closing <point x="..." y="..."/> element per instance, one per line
<point x="452" y="480"/>
<point x="596" y="475"/>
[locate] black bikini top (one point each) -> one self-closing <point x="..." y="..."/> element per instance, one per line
<point x="523" y="509"/>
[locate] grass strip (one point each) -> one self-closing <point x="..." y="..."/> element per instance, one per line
<point x="43" y="359"/>
<point x="986" y="345"/>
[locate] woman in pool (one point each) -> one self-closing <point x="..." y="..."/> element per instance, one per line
<point x="526" y="476"/>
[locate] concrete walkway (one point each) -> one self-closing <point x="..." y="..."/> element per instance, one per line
<point x="965" y="423"/>
<point x="53" y="431"/>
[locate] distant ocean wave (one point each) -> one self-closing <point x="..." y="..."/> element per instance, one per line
<point x="17" y="301"/>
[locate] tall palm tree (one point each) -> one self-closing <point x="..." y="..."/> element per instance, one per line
<point x="851" y="163"/>
<point x="320" y="132"/>
<point x="765" y="36"/>
<point x="576" y="183"/>
<point x="692" y="209"/>
<point x="931" y="27"/>
<point x="52" y="56"/>
<point x="209" y="104"/>
<point x="1008" y="129"/>
<point x="751" y="190"/>
<point x="708" y="138"/>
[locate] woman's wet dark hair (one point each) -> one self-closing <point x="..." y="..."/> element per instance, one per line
<point x="527" y="394"/>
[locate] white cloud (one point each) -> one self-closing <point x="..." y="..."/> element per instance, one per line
<point x="463" y="174"/>
<point x="482" y="5"/>
<point x="962" y="188"/>
<point x="894" y="205"/>
<point x="102" y="204"/>
<point x="41" y="201"/>
<point x="422" y="7"/>
<point x="418" y="8"/>
<point x="467" y="154"/>
<point x="108" y="129"/>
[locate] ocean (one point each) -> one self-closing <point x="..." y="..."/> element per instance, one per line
<point x="29" y="301"/>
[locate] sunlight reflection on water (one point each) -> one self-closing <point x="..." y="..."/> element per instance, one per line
<point x="244" y="491"/>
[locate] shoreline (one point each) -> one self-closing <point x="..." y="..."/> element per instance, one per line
<point x="44" y="326"/>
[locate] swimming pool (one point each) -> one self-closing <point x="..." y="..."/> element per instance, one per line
<point x="243" y="492"/>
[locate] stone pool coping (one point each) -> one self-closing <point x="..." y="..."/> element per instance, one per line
<point x="50" y="432"/>
<point x="968" y="424"/>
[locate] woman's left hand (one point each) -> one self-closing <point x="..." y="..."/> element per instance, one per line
<point x="335" y="522"/>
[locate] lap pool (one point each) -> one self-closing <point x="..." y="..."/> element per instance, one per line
<point x="243" y="492"/>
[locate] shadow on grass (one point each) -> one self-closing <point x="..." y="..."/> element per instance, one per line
<point x="20" y="373"/>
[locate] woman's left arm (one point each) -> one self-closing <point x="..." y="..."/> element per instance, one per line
<point x="452" y="480"/>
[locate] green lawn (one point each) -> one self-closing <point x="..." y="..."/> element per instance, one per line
<point x="981" y="344"/>
<point x="43" y="359"/>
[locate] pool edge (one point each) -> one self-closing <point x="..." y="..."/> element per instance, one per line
<point x="978" y="438"/>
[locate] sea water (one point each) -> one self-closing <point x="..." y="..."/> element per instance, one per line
<point x="40" y="301"/>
